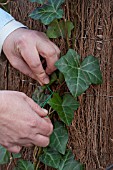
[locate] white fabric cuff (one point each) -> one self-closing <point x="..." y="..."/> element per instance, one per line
<point x="7" y="29"/>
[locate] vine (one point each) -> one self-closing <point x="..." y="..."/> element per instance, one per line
<point x="60" y="96"/>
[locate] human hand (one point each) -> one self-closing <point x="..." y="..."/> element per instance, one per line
<point x="23" y="49"/>
<point x="22" y="122"/>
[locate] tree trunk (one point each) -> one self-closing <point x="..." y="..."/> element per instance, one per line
<point x="91" y="133"/>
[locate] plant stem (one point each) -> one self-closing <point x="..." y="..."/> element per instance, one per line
<point x="34" y="155"/>
<point x="39" y="152"/>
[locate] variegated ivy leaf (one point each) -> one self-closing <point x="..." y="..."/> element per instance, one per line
<point x="79" y="75"/>
<point x="50" y="157"/>
<point x="38" y="1"/>
<point x="60" y="29"/>
<point x="69" y="163"/>
<point x="65" y="107"/>
<point x="48" y="12"/>
<point x="59" y="137"/>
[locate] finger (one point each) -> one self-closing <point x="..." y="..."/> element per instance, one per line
<point x="51" y="64"/>
<point x="44" y="127"/>
<point x="40" y="111"/>
<point x="39" y="124"/>
<point x="51" y="55"/>
<point x="18" y="63"/>
<point x="57" y="49"/>
<point x="41" y="141"/>
<point x="32" y="58"/>
<point x="14" y="149"/>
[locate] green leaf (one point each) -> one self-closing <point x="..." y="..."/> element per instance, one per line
<point x="4" y="155"/>
<point x="38" y="1"/>
<point x="53" y="78"/>
<point x="61" y="78"/>
<point x="40" y="96"/>
<point x="65" y="107"/>
<point x="50" y="157"/>
<point x="16" y="155"/>
<point x="69" y="163"/>
<point x="60" y="28"/>
<point x="59" y="138"/>
<point x="48" y="12"/>
<point x="79" y="76"/>
<point x="24" y="165"/>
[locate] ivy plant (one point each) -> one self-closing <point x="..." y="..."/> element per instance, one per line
<point x="48" y="11"/>
<point x="75" y="76"/>
<point x="60" y="28"/>
<point x="79" y="75"/>
<point x="65" y="107"/>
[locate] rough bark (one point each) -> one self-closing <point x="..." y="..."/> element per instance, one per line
<point x="91" y="133"/>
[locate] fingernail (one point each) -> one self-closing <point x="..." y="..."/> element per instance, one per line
<point x="45" y="111"/>
<point x="46" y="80"/>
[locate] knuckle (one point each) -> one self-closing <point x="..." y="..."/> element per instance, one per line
<point x="35" y="65"/>
<point x="42" y="74"/>
<point x="25" y="133"/>
<point x="22" y="41"/>
<point x="32" y="35"/>
<point x="41" y="34"/>
<point x="51" y="52"/>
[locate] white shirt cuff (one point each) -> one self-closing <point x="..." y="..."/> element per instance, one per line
<point x="7" y="29"/>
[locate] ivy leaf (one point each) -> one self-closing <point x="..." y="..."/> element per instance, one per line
<point x="39" y="96"/>
<point x="16" y="155"/>
<point x="69" y="163"/>
<point x="48" y="12"/>
<point x="59" y="138"/>
<point x="61" y="78"/>
<point x="50" y="157"/>
<point x="65" y="107"/>
<point x="38" y="1"/>
<point x="79" y="76"/>
<point x="60" y="28"/>
<point x="53" y="79"/>
<point x="24" y="165"/>
<point x="4" y="155"/>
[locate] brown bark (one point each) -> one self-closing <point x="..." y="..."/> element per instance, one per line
<point x="91" y="133"/>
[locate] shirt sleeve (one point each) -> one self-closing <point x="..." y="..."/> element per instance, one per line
<point x="7" y="25"/>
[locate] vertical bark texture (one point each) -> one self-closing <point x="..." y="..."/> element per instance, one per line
<point x="91" y="133"/>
